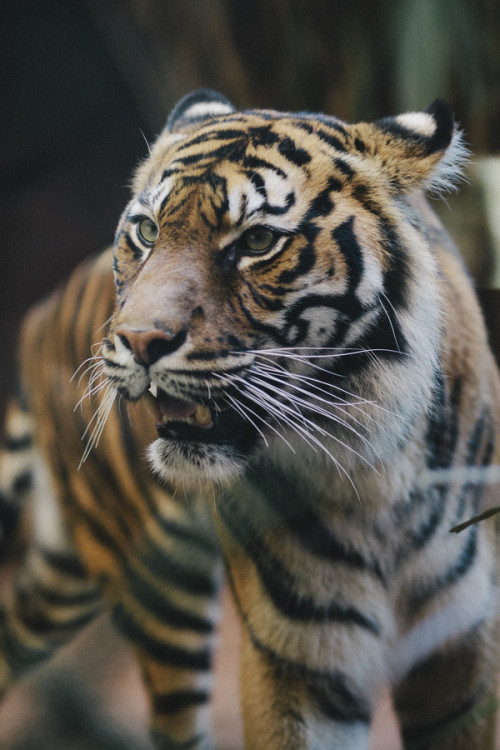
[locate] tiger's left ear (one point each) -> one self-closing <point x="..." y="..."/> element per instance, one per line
<point x="192" y="110"/>
<point x="417" y="150"/>
<point x="197" y="107"/>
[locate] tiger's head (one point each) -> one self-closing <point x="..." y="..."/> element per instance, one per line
<point x="275" y="289"/>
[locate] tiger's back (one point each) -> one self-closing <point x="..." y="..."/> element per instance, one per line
<point x="314" y="345"/>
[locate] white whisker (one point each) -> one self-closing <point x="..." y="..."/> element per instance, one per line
<point x="98" y="421"/>
<point x="310" y="405"/>
<point x="284" y="413"/>
<point x="244" y="410"/>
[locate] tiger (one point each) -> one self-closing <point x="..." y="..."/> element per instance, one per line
<point x="284" y="385"/>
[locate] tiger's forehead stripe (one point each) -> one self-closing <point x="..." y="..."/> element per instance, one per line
<point x="252" y="144"/>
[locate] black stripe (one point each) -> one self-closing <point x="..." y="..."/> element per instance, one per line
<point x="263" y="135"/>
<point x="23" y="482"/>
<point x="331" y="121"/>
<point x="279" y="210"/>
<point x="384" y="338"/>
<point x="397" y="280"/>
<point x="14" y="444"/>
<point x="322" y="204"/>
<point x="345" y="238"/>
<point x="234" y="152"/>
<point x="177" y="574"/>
<point x="220" y="134"/>
<point x="160" y="651"/>
<point x="166" y="210"/>
<point x="443" y="428"/>
<point x="424" y="532"/>
<point x="99" y="532"/>
<point x="338" y="701"/>
<point x="280" y="585"/>
<point x="305" y="262"/>
<point x="136" y="250"/>
<point x="41" y="623"/>
<point x="308" y="529"/>
<point x="178" y="700"/>
<point x="267" y="302"/>
<point x="19" y="656"/>
<point x="64" y="563"/>
<point x="157" y="604"/>
<point x="330" y="690"/>
<point x="165" y="742"/>
<point x="297" y="156"/>
<point x="441" y="443"/>
<point x="255" y="162"/>
<point x="59" y="599"/>
<point x="480" y="449"/>
<point x="422" y="737"/>
<point x="422" y="594"/>
<point x="344" y="168"/>
<point x="9" y="518"/>
<point x="331" y="140"/>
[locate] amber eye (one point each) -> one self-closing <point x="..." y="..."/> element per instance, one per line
<point x="259" y="239"/>
<point x="148" y="231"/>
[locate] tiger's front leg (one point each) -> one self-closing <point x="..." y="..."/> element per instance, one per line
<point x="167" y="606"/>
<point x="287" y="708"/>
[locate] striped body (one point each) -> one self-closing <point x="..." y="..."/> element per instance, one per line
<point x="291" y="315"/>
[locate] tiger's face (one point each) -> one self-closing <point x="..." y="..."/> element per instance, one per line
<point x="270" y="283"/>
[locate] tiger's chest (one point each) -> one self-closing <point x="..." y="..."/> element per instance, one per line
<point x="371" y="588"/>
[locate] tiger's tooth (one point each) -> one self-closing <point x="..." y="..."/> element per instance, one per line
<point x="203" y="416"/>
<point x="153" y="389"/>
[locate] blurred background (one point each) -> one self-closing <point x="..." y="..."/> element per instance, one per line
<point x="86" y="84"/>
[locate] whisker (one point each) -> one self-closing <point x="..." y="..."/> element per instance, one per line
<point x="309" y="438"/>
<point x="332" y="386"/>
<point x="244" y="409"/>
<point x="98" y="421"/>
<point x="278" y="408"/>
<point x="319" y="352"/>
<point x="325" y="433"/>
<point x="314" y="407"/>
<point x="311" y="389"/>
<point x="389" y="317"/>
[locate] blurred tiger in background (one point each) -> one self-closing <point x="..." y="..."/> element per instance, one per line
<point x="282" y="377"/>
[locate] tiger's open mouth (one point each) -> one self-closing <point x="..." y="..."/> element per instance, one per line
<point x="188" y="421"/>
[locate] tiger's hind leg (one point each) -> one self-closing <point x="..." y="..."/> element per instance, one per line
<point x="46" y="606"/>
<point x="51" y="598"/>
<point x="448" y="702"/>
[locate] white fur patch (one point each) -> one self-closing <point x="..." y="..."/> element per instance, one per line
<point x="418" y="122"/>
<point x="49" y="528"/>
<point x="206" y="109"/>
<point x="448" y="172"/>
<point x="192" y="466"/>
<point x="456" y="618"/>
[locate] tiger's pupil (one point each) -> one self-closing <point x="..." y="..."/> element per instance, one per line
<point x="259" y="239"/>
<point x="148" y="231"/>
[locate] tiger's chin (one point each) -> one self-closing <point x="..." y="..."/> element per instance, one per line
<point x="192" y="464"/>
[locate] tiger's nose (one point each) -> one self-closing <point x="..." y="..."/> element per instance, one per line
<point x="150" y="345"/>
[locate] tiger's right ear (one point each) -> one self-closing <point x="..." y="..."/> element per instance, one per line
<point x="196" y="107"/>
<point x="416" y="150"/>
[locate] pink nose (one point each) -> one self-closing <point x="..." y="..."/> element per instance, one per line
<point x="148" y="346"/>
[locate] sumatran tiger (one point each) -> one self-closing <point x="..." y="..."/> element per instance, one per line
<point x="290" y="389"/>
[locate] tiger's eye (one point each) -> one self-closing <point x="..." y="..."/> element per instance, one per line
<point x="259" y="239"/>
<point x="148" y="231"/>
